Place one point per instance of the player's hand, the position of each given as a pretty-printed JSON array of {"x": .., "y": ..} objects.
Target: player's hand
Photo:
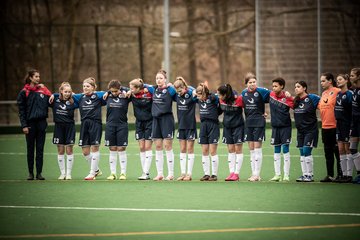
[
  {"x": 51, "y": 99},
  {"x": 287, "y": 94},
  {"x": 265, "y": 115},
  {"x": 25, "y": 130},
  {"x": 128, "y": 94},
  {"x": 105, "y": 96}
]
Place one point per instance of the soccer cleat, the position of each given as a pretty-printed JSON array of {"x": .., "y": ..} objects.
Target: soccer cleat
[
  {"x": 276, "y": 178},
  {"x": 356, "y": 179},
  {"x": 254, "y": 178},
  {"x": 205, "y": 178},
  {"x": 62, "y": 177},
  {"x": 251, "y": 177},
  {"x": 144, "y": 176},
  {"x": 300, "y": 179},
  {"x": 327, "y": 179},
  {"x": 30, "y": 177},
  {"x": 98, "y": 173},
  {"x": 213, "y": 178},
  {"x": 187, "y": 178},
  {"x": 235, "y": 177},
  {"x": 68, "y": 177},
  {"x": 122, "y": 176},
  {"x": 169, "y": 178},
  {"x": 158, "y": 178},
  {"x": 181, "y": 178},
  {"x": 111, "y": 177},
  {"x": 229, "y": 178},
  {"x": 39, "y": 177},
  {"x": 308, "y": 179},
  {"x": 286, "y": 178},
  {"x": 90, "y": 177}
]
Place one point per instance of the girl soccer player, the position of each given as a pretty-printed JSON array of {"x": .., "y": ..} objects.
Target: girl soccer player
[
  {"x": 117, "y": 130},
  {"x": 209, "y": 130},
  {"x": 33, "y": 111},
  {"x": 234, "y": 129},
  {"x": 254, "y": 99},
  {"x": 64, "y": 132},
  {"x": 141, "y": 100},
  {"x": 163, "y": 125},
  {"x": 280, "y": 104},
  {"x": 187, "y": 126},
  {"x": 305, "y": 106}
]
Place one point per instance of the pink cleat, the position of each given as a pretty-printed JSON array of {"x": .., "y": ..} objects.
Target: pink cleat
[
  {"x": 229, "y": 178},
  {"x": 235, "y": 177},
  {"x": 90, "y": 177},
  {"x": 158, "y": 178}
]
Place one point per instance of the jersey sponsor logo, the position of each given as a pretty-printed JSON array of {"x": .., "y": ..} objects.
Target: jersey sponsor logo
[
  {"x": 203, "y": 105},
  {"x": 251, "y": 100},
  {"x": 339, "y": 102},
  {"x": 326, "y": 101},
  {"x": 354, "y": 98},
  {"x": 182, "y": 101},
  {"x": 256, "y": 94},
  {"x": 63, "y": 107},
  {"x": 88, "y": 101},
  {"x": 116, "y": 100},
  {"x": 158, "y": 95}
]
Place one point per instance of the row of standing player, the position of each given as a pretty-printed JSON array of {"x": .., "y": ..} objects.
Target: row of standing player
[{"x": 155, "y": 122}]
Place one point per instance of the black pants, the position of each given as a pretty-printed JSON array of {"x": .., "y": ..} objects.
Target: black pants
[
  {"x": 331, "y": 149},
  {"x": 36, "y": 139}
]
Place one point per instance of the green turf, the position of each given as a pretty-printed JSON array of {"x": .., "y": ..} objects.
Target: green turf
[{"x": 133, "y": 194}]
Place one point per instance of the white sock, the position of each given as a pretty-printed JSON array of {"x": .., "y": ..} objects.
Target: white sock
[
  {"x": 238, "y": 161},
  {"x": 356, "y": 158},
  {"x": 215, "y": 164},
  {"x": 309, "y": 165},
  {"x": 206, "y": 164},
  {"x": 303, "y": 165},
  {"x": 148, "y": 160},
  {"x": 123, "y": 161},
  {"x": 113, "y": 161},
  {"x": 350, "y": 165},
  {"x": 88, "y": 159},
  {"x": 159, "y": 160},
  {"x": 286, "y": 164},
  {"x": 231, "y": 162},
  {"x": 69, "y": 164},
  {"x": 258, "y": 161},
  {"x": 61, "y": 162},
  {"x": 343, "y": 164},
  {"x": 170, "y": 162},
  {"x": 94, "y": 162},
  {"x": 183, "y": 163},
  {"x": 142, "y": 160},
  {"x": 191, "y": 158},
  {"x": 277, "y": 163},
  {"x": 252, "y": 162}
]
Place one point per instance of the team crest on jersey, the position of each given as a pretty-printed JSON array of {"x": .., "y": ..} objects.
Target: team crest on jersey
[
  {"x": 63, "y": 107},
  {"x": 88, "y": 101},
  {"x": 41, "y": 95},
  {"x": 306, "y": 99},
  {"x": 164, "y": 90},
  {"x": 331, "y": 93},
  {"x": 67, "y": 103},
  {"x": 246, "y": 94},
  {"x": 208, "y": 101},
  {"x": 344, "y": 97},
  {"x": 301, "y": 105},
  {"x": 93, "y": 96},
  {"x": 186, "y": 95},
  {"x": 358, "y": 92},
  {"x": 58, "y": 100},
  {"x": 283, "y": 99},
  {"x": 256, "y": 94}
]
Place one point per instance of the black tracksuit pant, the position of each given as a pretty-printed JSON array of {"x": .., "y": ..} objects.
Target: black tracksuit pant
[{"x": 331, "y": 149}]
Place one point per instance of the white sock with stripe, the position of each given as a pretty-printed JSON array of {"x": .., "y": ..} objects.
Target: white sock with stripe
[
  {"x": 61, "y": 162},
  {"x": 113, "y": 161},
  {"x": 206, "y": 164},
  {"x": 191, "y": 159},
  {"x": 123, "y": 161},
  {"x": 159, "y": 160}
]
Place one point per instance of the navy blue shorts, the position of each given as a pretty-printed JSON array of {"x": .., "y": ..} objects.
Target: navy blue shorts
[
  {"x": 143, "y": 130},
  {"x": 187, "y": 134},
  {"x": 233, "y": 135},
  {"x": 209, "y": 132},
  {"x": 90, "y": 133},
  {"x": 163, "y": 127},
  {"x": 307, "y": 139},
  {"x": 280, "y": 136},
  {"x": 116, "y": 135},
  {"x": 64, "y": 134},
  {"x": 342, "y": 131},
  {"x": 255, "y": 134}
]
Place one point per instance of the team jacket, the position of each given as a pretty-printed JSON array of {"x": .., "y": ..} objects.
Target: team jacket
[
  {"x": 142, "y": 102},
  {"x": 279, "y": 109}
]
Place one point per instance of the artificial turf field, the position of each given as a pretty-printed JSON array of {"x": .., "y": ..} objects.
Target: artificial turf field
[{"x": 133, "y": 209}]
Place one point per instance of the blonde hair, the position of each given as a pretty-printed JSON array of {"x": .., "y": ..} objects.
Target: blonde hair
[
  {"x": 91, "y": 81},
  {"x": 203, "y": 89},
  {"x": 137, "y": 83},
  {"x": 61, "y": 88},
  {"x": 180, "y": 82}
]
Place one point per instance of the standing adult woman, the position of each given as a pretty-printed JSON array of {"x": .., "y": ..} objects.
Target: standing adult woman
[{"x": 33, "y": 111}]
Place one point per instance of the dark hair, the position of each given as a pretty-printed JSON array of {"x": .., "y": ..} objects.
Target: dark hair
[
  {"x": 297, "y": 98},
  {"x": 330, "y": 77},
  {"x": 30, "y": 74},
  {"x": 114, "y": 84},
  {"x": 227, "y": 91},
  {"x": 163, "y": 72},
  {"x": 356, "y": 71},
  {"x": 346, "y": 77},
  {"x": 249, "y": 76},
  {"x": 280, "y": 81}
]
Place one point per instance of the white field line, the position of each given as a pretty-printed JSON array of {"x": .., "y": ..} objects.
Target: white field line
[{"x": 182, "y": 210}]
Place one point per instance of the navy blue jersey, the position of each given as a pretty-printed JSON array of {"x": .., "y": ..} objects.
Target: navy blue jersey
[
  {"x": 142, "y": 103},
  {"x": 162, "y": 100},
  {"x": 305, "y": 112},
  {"x": 280, "y": 109},
  {"x": 254, "y": 106},
  {"x": 356, "y": 104},
  {"x": 117, "y": 109},
  {"x": 90, "y": 105},
  {"x": 343, "y": 106},
  {"x": 63, "y": 111},
  {"x": 233, "y": 113},
  {"x": 209, "y": 108},
  {"x": 186, "y": 109}
]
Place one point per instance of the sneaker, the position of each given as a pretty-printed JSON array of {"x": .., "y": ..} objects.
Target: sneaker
[
  {"x": 308, "y": 179},
  {"x": 68, "y": 177},
  {"x": 235, "y": 177},
  {"x": 276, "y": 178},
  {"x": 205, "y": 178},
  {"x": 181, "y": 178},
  {"x": 122, "y": 176},
  {"x": 158, "y": 178},
  {"x": 39, "y": 177},
  {"x": 286, "y": 178},
  {"x": 111, "y": 177},
  {"x": 90, "y": 177},
  {"x": 169, "y": 178},
  {"x": 30, "y": 177},
  {"x": 144, "y": 176},
  {"x": 98, "y": 173},
  {"x": 327, "y": 179},
  {"x": 300, "y": 179},
  {"x": 62, "y": 177},
  {"x": 250, "y": 178},
  {"x": 213, "y": 178},
  {"x": 229, "y": 177},
  {"x": 254, "y": 179},
  {"x": 187, "y": 178}
]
